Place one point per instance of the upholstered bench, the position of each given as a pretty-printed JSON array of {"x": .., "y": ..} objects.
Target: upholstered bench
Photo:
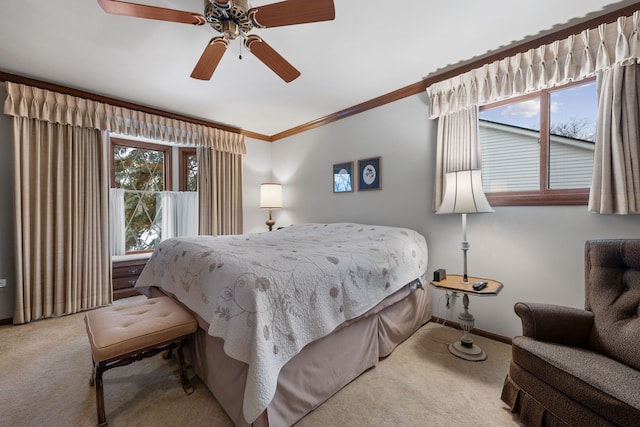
[{"x": 124, "y": 333}]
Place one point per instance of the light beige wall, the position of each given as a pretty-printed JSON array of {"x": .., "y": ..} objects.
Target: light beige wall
[
  {"x": 536, "y": 251},
  {"x": 256, "y": 170}
]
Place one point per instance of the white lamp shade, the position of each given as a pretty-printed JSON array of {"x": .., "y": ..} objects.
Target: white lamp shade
[
  {"x": 463, "y": 193},
  {"x": 270, "y": 195}
]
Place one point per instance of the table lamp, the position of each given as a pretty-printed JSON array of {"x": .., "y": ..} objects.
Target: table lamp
[
  {"x": 270, "y": 197},
  {"x": 463, "y": 194}
]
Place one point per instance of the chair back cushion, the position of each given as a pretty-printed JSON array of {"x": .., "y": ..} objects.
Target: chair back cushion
[{"x": 612, "y": 293}]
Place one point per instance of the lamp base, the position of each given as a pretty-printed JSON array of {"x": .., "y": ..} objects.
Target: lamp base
[
  {"x": 465, "y": 348},
  {"x": 270, "y": 223},
  {"x": 473, "y": 353}
]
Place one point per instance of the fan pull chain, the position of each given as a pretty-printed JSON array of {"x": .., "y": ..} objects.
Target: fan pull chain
[{"x": 240, "y": 51}]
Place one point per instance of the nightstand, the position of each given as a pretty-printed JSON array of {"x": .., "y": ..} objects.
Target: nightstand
[
  {"x": 465, "y": 348},
  {"x": 124, "y": 277}
]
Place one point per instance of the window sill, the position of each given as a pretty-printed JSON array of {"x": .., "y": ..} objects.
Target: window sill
[
  {"x": 536, "y": 198},
  {"x": 131, "y": 257}
]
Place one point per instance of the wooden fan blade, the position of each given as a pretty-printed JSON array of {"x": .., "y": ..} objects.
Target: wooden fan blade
[
  {"x": 271, "y": 58},
  {"x": 210, "y": 58},
  {"x": 292, "y": 12},
  {"x": 116, "y": 7}
]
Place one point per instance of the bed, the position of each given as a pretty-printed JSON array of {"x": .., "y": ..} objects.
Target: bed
[{"x": 287, "y": 318}]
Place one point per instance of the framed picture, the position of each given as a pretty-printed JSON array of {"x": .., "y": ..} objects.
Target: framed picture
[
  {"x": 343, "y": 177},
  {"x": 369, "y": 176}
]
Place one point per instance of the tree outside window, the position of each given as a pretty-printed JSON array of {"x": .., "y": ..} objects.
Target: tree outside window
[
  {"x": 142, "y": 170},
  {"x": 188, "y": 169}
]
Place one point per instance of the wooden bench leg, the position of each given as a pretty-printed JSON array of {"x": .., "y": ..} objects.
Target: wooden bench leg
[
  {"x": 96, "y": 381},
  {"x": 184, "y": 378},
  {"x": 100, "y": 367}
]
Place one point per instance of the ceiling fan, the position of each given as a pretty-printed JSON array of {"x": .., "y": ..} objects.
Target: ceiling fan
[{"x": 233, "y": 19}]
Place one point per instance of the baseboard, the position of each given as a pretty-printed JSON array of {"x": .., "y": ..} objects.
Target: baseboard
[
  {"x": 8, "y": 321},
  {"x": 475, "y": 331}
]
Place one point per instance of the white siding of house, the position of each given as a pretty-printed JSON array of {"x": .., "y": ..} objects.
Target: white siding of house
[
  {"x": 571, "y": 164},
  {"x": 510, "y": 160}
]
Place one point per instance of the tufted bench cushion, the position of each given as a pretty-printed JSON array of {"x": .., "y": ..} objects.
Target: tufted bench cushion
[
  {"x": 123, "y": 329},
  {"x": 124, "y": 333}
]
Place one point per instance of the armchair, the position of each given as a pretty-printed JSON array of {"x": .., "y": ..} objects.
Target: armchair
[{"x": 582, "y": 367}]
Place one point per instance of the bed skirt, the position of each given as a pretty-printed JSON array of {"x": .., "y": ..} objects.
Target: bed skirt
[{"x": 321, "y": 369}]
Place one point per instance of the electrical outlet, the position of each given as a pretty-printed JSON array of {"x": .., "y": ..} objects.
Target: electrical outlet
[{"x": 3, "y": 283}]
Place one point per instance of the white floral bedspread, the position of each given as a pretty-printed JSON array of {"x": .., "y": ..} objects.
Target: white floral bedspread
[{"x": 269, "y": 294}]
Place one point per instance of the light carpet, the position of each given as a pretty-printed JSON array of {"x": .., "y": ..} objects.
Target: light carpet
[{"x": 45, "y": 368}]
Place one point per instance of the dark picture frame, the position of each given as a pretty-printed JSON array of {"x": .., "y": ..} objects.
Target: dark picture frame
[
  {"x": 369, "y": 174},
  {"x": 343, "y": 177}
]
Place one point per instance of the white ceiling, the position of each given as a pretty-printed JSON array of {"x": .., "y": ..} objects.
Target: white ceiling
[{"x": 373, "y": 47}]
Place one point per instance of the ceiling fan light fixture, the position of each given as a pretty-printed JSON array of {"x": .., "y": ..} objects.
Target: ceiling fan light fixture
[{"x": 230, "y": 29}]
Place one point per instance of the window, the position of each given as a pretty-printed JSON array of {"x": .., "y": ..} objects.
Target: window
[
  {"x": 142, "y": 170},
  {"x": 188, "y": 169},
  {"x": 538, "y": 149}
]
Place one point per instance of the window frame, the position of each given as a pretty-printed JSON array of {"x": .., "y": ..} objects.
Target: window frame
[
  {"x": 167, "y": 169},
  {"x": 544, "y": 196},
  {"x": 166, "y": 149},
  {"x": 183, "y": 155}
]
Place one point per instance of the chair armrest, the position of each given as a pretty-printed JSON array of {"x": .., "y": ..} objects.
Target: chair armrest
[{"x": 554, "y": 323}]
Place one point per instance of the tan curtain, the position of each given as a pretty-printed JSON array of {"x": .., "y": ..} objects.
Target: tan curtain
[
  {"x": 615, "y": 186},
  {"x": 458, "y": 147},
  {"x": 219, "y": 192},
  {"x": 61, "y": 211},
  {"x": 574, "y": 58}
]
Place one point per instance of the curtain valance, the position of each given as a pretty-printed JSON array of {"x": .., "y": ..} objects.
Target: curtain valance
[
  {"x": 54, "y": 107},
  {"x": 576, "y": 57}
]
